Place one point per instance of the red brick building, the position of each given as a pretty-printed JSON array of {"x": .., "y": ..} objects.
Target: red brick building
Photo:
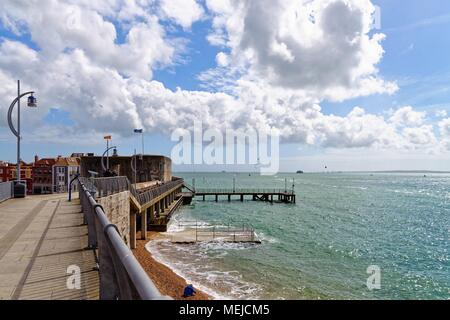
[
  {"x": 8, "y": 172},
  {"x": 43, "y": 175}
]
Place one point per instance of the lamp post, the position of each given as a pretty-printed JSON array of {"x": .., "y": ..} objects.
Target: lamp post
[
  {"x": 106, "y": 168},
  {"x": 133, "y": 167},
  {"x": 107, "y": 138},
  {"x": 32, "y": 103},
  {"x": 141, "y": 131}
]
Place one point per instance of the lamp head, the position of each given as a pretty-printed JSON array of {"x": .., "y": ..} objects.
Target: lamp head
[{"x": 32, "y": 101}]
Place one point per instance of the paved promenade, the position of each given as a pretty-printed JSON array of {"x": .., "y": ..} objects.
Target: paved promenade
[{"x": 40, "y": 237}]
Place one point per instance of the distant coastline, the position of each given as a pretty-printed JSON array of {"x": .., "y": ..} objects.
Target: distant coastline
[{"x": 311, "y": 172}]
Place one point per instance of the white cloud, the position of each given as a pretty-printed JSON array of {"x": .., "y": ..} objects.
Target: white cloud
[
  {"x": 183, "y": 12},
  {"x": 107, "y": 86},
  {"x": 441, "y": 113},
  {"x": 57, "y": 26},
  {"x": 406, "y": 116},
  {"x": 222, "y": 59},
  {"x": 423, "y": 135},
  {"x": 444, "y": 126},
  {"x": 322, "y": 47}
]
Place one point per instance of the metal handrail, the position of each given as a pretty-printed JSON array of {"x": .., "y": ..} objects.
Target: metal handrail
[
  {"x": 111, "y": 185},
  {"x": 239, "y": 191},
  {"x": 121, "y": 275},
  {"x": 149, "y": 195}
]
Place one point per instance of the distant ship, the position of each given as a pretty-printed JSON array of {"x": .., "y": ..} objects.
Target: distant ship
[{"x": 300, "y": 172}]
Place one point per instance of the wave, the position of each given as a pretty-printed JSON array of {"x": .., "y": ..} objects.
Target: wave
[{"x": 188, "y": 262}]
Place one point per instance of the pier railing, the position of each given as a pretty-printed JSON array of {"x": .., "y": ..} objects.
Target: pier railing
[
  {"x": 155, "y": 192},
  {"x": 121, "y": 275},
  {"x": 6, "y": 190},
  {"x": 229, "y": 232},
  {"x": 243, "y": 191},
  {"x": 112, "y": 185}
]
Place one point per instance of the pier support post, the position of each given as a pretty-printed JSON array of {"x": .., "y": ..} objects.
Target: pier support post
[
  {"x": 217, "y": 198},
  {"x": 203, "y": 197},
  {"x": 133, "y": 230},
  {"x": 161, "y": 206},
  {"x": 242, "y": 198},
  {"x": 229, "y": 198},
  {"x": 156, "y": 210},
  {"x": 151, "y": 212},
  {"x": 144, "y": 224}
]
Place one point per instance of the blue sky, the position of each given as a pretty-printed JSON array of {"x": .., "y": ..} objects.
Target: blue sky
[{"x": 417, "y": 51}]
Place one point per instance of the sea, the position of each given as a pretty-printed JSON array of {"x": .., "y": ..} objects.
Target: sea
[{"x": 349, "y": 236}]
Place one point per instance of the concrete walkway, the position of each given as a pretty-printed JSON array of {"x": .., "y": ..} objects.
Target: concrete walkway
[{"x": 40, "y": 238}]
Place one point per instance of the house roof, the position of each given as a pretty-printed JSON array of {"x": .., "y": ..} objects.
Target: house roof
[
  {"x": 45, "y": 162},
  {"x": 70, "y": 161}
]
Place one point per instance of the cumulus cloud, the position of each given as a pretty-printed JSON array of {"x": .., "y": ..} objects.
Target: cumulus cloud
[
  {"x": 183, "y": 12},
  {"x": 279, "y": 61},
  {"x": 322, "y": 47},
  {"x": 444, "y": 126},
  {"x": 423, "y": 135},
  {"x": 406, "y": 116},
  {"x": 441, "y": 113}
]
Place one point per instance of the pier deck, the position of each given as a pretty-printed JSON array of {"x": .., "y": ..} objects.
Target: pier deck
[
  {"x": 195, "y": 233},
  {"x": 40, "y": 237},
  {"x": 191, "y": 237}
]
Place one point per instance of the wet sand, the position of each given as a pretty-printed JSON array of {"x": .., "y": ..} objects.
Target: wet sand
[{"x": 165, "y": 279}]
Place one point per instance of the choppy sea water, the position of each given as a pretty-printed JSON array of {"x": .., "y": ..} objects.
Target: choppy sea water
[{"x": 321, "y": 247}]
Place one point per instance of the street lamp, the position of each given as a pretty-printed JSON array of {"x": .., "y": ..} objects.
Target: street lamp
[
  {"x": 32, "y": 103},
  {"x": 106, "y": 168},
  {"x": 133, "y": 167},
  {"x": 107, "y": 138}
]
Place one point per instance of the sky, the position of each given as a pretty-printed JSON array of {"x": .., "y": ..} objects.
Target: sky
[{"x": 352, "y": 85}]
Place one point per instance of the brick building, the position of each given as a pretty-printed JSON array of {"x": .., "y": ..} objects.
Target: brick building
[
  {"x": 43, "y": 175},
  {"x": 8, "y": 172}
]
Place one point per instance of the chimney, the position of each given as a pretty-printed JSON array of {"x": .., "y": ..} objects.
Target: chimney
[{"x": 36, "y": 159}]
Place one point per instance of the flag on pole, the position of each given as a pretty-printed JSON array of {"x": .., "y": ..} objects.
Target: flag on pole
[
  {"x": 138, "y": 130},
  {"x": 108, "y": 138}
]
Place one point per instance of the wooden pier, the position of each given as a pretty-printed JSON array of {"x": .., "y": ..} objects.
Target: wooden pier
[{"x": 266, "y": 195}]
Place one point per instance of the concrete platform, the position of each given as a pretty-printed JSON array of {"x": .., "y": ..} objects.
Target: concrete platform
[
  {"x": 192, "y": 236},
  {"x": 40, "y": 237}
]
